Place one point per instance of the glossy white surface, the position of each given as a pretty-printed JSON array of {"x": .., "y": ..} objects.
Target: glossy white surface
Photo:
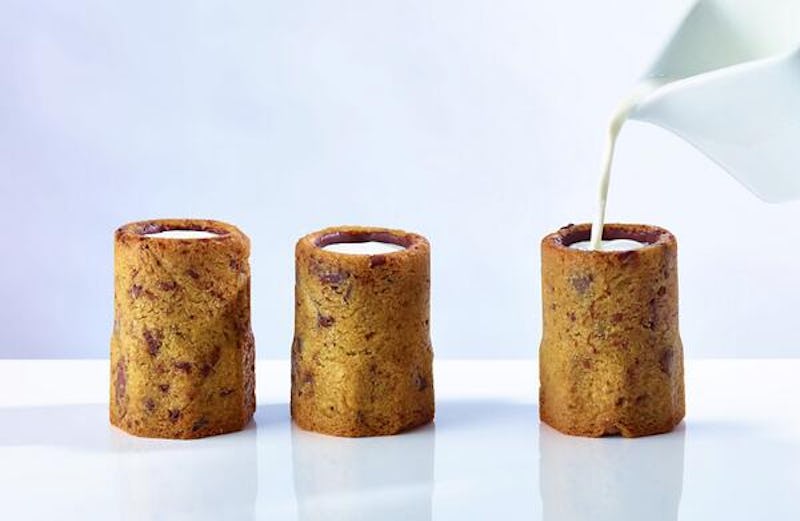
[{"x": 737, "y": 456}]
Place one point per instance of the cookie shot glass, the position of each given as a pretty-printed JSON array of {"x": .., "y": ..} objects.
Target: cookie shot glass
[
  {"x": 611, "y": 358},
  {"x": 182, "y": 349},
  {"x": 361, "y": 354}
]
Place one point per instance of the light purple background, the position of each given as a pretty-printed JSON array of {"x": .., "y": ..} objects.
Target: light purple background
[{"x": 476, "y": 123}]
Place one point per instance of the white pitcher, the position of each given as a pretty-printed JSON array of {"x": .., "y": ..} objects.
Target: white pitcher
[{"x": 728, "y": 82}]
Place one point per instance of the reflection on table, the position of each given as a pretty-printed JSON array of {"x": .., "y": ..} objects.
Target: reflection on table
[
  {"x": 611, "y": 478},
  {"x": 210, "y": 478},
  {"x": 384, "y": 478}
]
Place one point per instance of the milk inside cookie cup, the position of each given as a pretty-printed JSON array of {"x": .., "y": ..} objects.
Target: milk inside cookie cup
[
  {"x": 619, "y": 237},
  {"x": 362, "y": 242},
  {"x": 182, "y": 234},
  {"x": 609, "y": 245},
  {"x": 180, "y": 229}
]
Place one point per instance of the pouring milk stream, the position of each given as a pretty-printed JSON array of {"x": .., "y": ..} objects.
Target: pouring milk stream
[{"x": 728, "y": 82}]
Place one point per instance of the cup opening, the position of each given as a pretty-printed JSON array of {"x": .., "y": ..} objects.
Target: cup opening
[
  {"x": 362, "y": 242},
  {"x": 572, "y": 234},
  {"x": 182, "y": 231},
  {"x": 345, "y": 237}
]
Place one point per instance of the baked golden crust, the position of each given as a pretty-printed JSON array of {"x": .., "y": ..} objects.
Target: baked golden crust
[
  {"x": 611, "y": 358},
  {"x": 182, "y": 349},
  {"x": 361, "y": 355}
]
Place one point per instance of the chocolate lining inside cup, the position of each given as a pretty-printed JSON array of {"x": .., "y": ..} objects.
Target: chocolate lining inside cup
[
  {"x": 149, "y": 229},
  {"x": 342, "y": 237},
  {"x": 610, "y": 232}
]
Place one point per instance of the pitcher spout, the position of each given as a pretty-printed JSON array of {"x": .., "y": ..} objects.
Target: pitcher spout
[{"x": 745, "y": 117}]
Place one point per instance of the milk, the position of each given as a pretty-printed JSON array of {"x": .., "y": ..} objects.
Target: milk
[
  {"x": 182, "y": 234},
  {"x": 363, "y": 248},
  {"x": 609, "y": 245},
  {"x": 617, "y": 121}
]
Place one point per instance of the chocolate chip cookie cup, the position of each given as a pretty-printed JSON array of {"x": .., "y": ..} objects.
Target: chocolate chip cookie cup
[
  {"x": 611, "y": 358},
  {"x": 182, "y": 349},
  {"x": 361, "y": 355}
]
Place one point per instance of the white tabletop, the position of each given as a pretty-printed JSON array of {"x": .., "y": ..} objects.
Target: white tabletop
[{"x": 737, "y": 455}]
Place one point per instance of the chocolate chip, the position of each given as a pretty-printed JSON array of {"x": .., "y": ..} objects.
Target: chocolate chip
[
  {"x": 199, "y": 424},
  {"x": 420, "y": 382},
  {"x": 153, "y": 342},
  {"x": 216, "y": 352},
  {"x": 325, "y": 274},
  {"x": 192, "y": 273},
  {"x": 652, "y": 321},
  {"x": 571, "y": 316},
  {"x": 136, "y": 291},
  {"x": 628, "y": 256},
  {"x": 661, "y": 291},
  {"x": 186, "y": 367},
  {"x": 581, "y": 283},
  {"x": 168, "y": 285},
  {"x": 334, "y": 277},
  {"x": 665, "y": 361},
  {"x": 369, "y": 335},
  {"x": 324, "y": 320},
  {"x": 149, "y": 405},
  {"x": 120, "y": 382},
  {"x": 149, "y": 228},
  {"x": 164, "y": 388},
  {"x": 235, "y": 265},
  {"x": 205, "y": 370},
  {"x": 377, "y": 260},
  {"x": 225, "y": 392},
  {"x": 174, "y": 415}
]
